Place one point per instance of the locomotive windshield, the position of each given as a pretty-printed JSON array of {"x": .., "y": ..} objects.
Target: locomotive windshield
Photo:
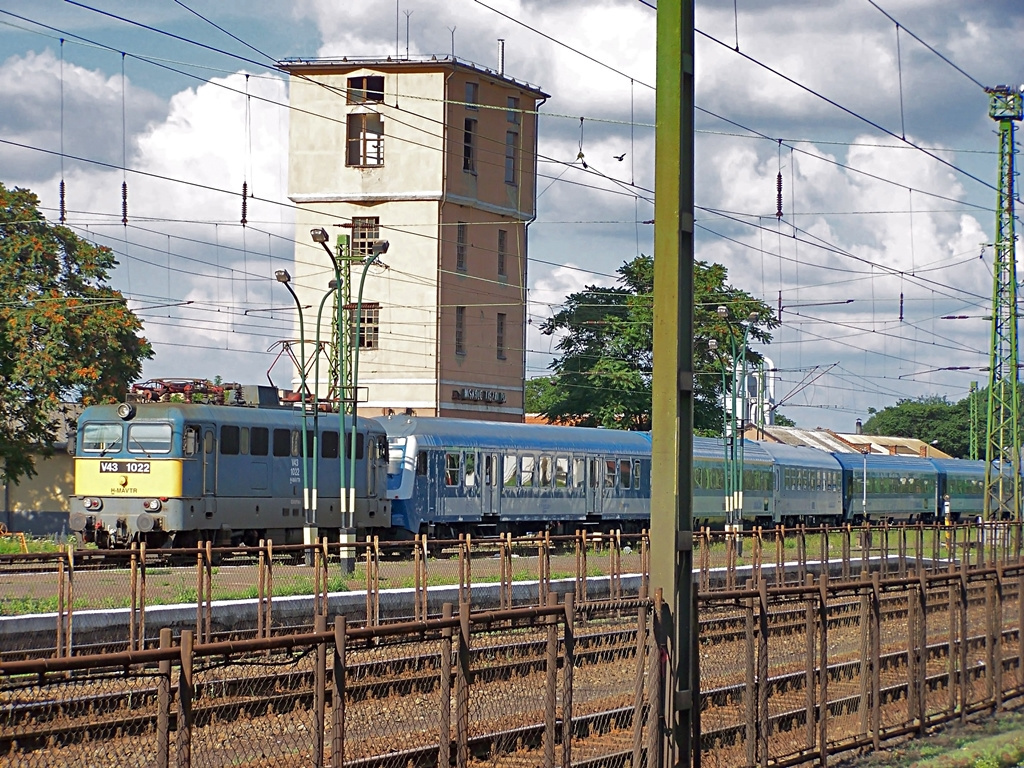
[
  {"x": 101, "y": 438},
  {"x": 396, "y": 455},
  {"x": 149, "y": 438}
]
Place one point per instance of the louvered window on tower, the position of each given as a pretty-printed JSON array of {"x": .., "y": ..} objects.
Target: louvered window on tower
[
  {"x": 512, "y": 115},
  {"x": 460, "y": 330},
  {"x": 502, "y": 252},
  {"x": 500, "y": 340},
  {"x": 369, "y": 324},
  {"x": 365, "y": 144},
  {"x": 460, "y": 247},
  {"x": 366, "y": 88},
  {"x": 365, "y": 231},
  {"x": 511, "y": 157},
  {"x": 469, "y": 146}
]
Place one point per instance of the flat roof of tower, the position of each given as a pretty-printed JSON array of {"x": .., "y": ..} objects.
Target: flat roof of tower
[{"x": 300, "y": 65}]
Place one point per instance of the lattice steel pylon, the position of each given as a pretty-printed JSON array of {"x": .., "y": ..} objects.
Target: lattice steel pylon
[{"x": 1002, "y": 444}]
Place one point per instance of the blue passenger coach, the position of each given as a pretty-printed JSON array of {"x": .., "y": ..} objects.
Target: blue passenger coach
[
  {"x": 450, "y": 476},
  {"x": 897, "y": 488}
]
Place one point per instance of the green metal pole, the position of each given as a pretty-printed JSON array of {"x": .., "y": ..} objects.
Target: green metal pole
[
  {"x": 355, "y": 381},
  {"x": 972, "y": 410},
  {"x": 743, "y": 423},
  {"x": 302, "y": 394},
  {"x": 672, "y": 385}
]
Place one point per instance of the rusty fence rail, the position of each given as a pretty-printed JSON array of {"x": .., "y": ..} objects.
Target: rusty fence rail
[
  {"x": 286, "y": 594},
  {"x": 559, "y": 685}
]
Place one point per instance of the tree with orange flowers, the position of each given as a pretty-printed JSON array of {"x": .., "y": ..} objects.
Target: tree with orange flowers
[{"x": 65, "y": 334}]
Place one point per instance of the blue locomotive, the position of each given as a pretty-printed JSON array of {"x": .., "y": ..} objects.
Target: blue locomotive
[
  {"x": 450, "y": 476},
  {"x": 176, "y": 473}
]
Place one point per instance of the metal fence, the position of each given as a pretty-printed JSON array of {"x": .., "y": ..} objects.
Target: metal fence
[{"x": 557, "y": 685}]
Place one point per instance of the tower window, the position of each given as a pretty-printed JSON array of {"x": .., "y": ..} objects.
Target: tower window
[
  {"x": 472, "y": 95},
  {"x": 365, "y": 89},
  {"x": 500, "y": 340},
  {"x": 502, "y": 251},
  {"x": 365, "y": 231},
  {"x": 460, "y": 330},
  {"x": 511, "y": 157},
  {"x": 460, "y": 247},
  {"x": 512, "y": 115},
  {"x": 369, "y": 324},
  {"x": 365, "y": 140},
  {"x": 469, "y": 146}
]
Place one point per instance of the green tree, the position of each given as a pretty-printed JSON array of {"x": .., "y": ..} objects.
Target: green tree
[
  {"x": 931, "y": 418},
  {"x": 603, "y": 375},
  {"x": 782, "y": 420},
  {"x": 64, "y": 333}
]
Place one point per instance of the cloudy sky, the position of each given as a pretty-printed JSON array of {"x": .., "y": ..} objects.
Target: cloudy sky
[{"x": 874, "y": 113}]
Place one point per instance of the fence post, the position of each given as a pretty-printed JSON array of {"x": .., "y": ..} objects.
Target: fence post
[
  {"x": 134, "y": 588},
  {"x": 1020, "y": 627},
  {"x": 846, "y": 552},
  {"x": 951, "y": 656},
  {"x": 462, "y": 690},
  {"x": 823, "y": 668},
  {"x": 209, "y": 590},
  {"x": 142, "y": 595},
  {"x": 70, "y": 606},
  {"x": 320, "y": 694},
  {"x": 376, "y": 580},
  {"x": 268, "y": 621},
  {"x": 186, "y": 692},
  {"x": 996, "y": 615},
  {"x": 762, "y": 674},
  {"x": 60, "y": 606},
  {"x": 922, "y": 652},
  {"x": 542, "y": 583},
  {"x": 810, "y": 616},
  {"x": 876, "y": 658},
  {"x": 550, "y": 684},
  {"x": 569, "y": 664},
  {"x": 963, "y": 635},
  {"x": 199, "y": 591},
  {"x": 645, "y": 563},
  {"x": 864, "y": 705},
  {"x": 424, "y": 579},
  {"x": 261, "y": 565},
  {"x": 338, "y": 695},
  {"x": 370, "y": 583},
  {"x": 163, "y": 711},
  {"x": 913, "y": 658},
  {"x": 638, "y": 685},
  {"x": 750, "y": 691},
  {"x": 444, "y": 743}
]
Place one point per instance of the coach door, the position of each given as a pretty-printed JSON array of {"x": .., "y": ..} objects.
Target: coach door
[
  {"x": 595, "y": 486},
  {"x": 490, "y": 492},
  {"x": 210, "y": 470}
]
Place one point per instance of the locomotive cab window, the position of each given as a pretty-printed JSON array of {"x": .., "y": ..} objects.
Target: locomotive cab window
[
  {"x": 229, "y": 440},
  {"x": 360, "y": 446},
  {"x": 149, "y": 438},
  {"x": 190, "y": 440},
  {"x": 101, "y": 438},
  {"x": 259, "y": 441},
  {"x": 282, "y": 442},
  {"x": 329, "y": 445},
  {"x": 421, "y": 463}
]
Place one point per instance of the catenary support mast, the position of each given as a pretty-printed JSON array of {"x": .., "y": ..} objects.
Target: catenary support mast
[{"x": 1002, "y": 444}]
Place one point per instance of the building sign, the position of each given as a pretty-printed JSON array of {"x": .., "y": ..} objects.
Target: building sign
[{"x": 478, "y": 395}]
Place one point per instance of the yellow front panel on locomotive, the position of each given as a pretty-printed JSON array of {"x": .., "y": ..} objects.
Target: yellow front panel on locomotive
[{"x": 118, "y": 477}]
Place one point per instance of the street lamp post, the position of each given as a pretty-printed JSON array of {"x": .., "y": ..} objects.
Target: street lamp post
[
  {"x": 727, "y": 435},
  {"x": 283, "y": 277}
]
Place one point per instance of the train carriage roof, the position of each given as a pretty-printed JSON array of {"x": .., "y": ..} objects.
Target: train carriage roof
[
  {"x": 499, "y": 435},
  {"x": 954, "y": 467},
  {"x": 885, "y": 463},
  {"x": 713, "y": 448},
  {"x": 801, "y": 456},
  {"x": 220, "y": 414}
]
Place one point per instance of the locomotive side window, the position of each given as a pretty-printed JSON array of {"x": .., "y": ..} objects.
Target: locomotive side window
[
  {"x": 561, "y": 471},
  {"x": 421, "y": 463},
  {"x": 451, "y": 468},
  {"x": 329, "y": 445},
  {"x": 360, "y": 447},
  {"x": 470, "y": 465},
  {"x": 190, "y": 443},
  {"x": 383, "y": 448},
  {"x": 228, "y": 440},
  {"x": 296, "y": 446},
  {"x": 149, "y": 438},
  {"x": 101, "y": 437},
  {"x": 511, "y": 465},
  {"x": 243, "y": 441},
  {"x": 625, "y": 475},
  {"x": 259, "y": 441},
  {"x": 526, "y": 467},
  {"x": 208, "y": 442},
  {"x": 282, "y": 442}
]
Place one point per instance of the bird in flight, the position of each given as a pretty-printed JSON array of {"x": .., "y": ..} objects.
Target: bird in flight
[{"x": 621, "y": 157}]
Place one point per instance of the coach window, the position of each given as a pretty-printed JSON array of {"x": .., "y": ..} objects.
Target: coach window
[
  {"x": 469, "y": 462},
  {"x": 229, "y": 440},
  {"x": 451, "y": 468},
  {"x": 579, "y": 473},
  {"x": 282, "y": 442},
  {"x": 509, "y": 471},
  {"x": 150, "y": 438},
  {"x": 636, "y": 473},
  {"x": 329, "y": 445},
  {"x": 609, "y": 473},
  {"x": 190, "y": 441},
  {"x": 561, "y": 471},
  {"x": 421, "y": 463},
  {"x": 544, "y": 469},
  {"x": 259, "y": 441},
  {"x": 526, "y": 467},
  {"x": 625, "y": 475}
]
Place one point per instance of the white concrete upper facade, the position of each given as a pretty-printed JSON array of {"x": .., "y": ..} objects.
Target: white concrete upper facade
[{"x": 439, "y": 158}]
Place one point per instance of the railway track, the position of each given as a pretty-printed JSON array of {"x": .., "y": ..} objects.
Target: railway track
[{"x": 27, "y": 726}]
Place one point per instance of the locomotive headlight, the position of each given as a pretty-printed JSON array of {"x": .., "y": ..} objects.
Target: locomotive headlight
[
  {"x": 144, "y": 523},
  {"x": 92, "y": 504},
  {"x": 77, "y": 521},
  {"x": 152, "y": 505}
]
